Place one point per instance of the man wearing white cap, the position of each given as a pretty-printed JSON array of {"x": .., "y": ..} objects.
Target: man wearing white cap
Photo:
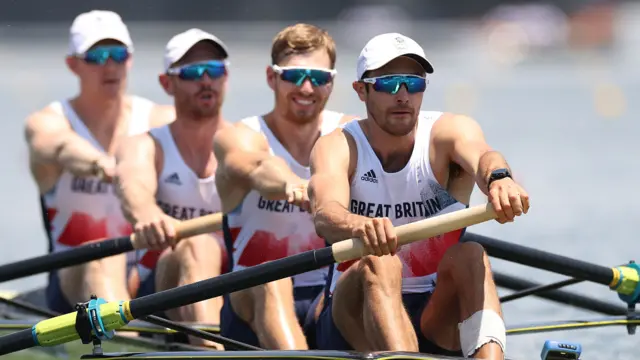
[
  {"x": 167, "y": 175},
  {"x": 397, "y": 166},
  {"x": 71, "y": 143}
]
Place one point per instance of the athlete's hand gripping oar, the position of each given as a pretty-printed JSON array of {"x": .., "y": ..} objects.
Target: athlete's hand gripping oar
[
  {"x": 100, "y": 249},
  {"x": 354, "y": 248},
  {"x": 106, "y": 317}
]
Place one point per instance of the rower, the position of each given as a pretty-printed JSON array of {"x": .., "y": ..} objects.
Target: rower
[
  {"x": 262, "y": 182},
  {"x": 71, "y": 143},
  {"x": 167, "y": 175},
  {"x": 397, "y": 166}
]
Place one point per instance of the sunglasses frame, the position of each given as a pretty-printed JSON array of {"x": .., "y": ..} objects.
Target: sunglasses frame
[
  {"x": 372, "y": 81},
  {"x": 280, "y": 70},
  {"x": 176, "y": 70},
  {"x": 83, "y": 56}
]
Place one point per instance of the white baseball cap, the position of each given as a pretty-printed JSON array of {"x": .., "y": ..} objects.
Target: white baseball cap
[
  {"x": 183, "y": 42},
  {"x": 96, "y": 25},
  {"x": 383, "y": 48}
]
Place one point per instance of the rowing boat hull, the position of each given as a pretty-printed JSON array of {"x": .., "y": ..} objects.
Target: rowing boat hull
[
  {"x": 15, "y": 319},
  {"x": 289, "y": 355},
  {"x": 520, "y": 329}
]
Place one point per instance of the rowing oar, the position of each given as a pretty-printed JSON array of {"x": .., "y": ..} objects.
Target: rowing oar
[
  {"x": 532, "y": 289},
  {"x": 103, "y": 317},
  {"x": 101, "y": 249},
  {"x": 625, "y": 280},
  {"x": 122, "y": 339},
  {"x": 553, "y": 293},
  {"x": 152, "y": 319}
]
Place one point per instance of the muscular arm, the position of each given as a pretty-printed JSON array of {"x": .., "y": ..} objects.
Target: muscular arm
[
  {"x": 462, "y": 138},
  {"x": 245, "y": 163},
  {"x": 161, "y": 115},
  {"x": 137, "y": 177},
  {"x": 332, "y": 162},
  {"x": 347, "y": 118},
  {"x": 53, "y": 144}
]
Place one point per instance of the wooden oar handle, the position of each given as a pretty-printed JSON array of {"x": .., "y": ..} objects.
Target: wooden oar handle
[
  {"x": 200, "y": 225},
  {"x": 420, "y": 230}
]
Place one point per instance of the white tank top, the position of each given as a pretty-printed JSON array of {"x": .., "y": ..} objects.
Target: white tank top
[
  {"x": 406, "y": 196},
  {"x": 80, "y": 209},
  {"x": 266, "y": 230},
  {"x": 181, "y": 193}
]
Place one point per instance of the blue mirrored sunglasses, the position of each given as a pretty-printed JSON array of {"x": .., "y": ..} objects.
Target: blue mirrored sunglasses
[
  {"x": 196, "y": 71},
  {"x": 297, "y": 75},
  {"x": 100, "y": 54},
  {"x": 392, "y": 83}
]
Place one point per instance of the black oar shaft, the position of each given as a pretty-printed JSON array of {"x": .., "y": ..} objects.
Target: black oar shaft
[
  {"x": 560, "y": 296},
  {"x": 543, "y": 260},
  {"x": 231, "y": 282},
  {"x": 71, "y": 257},
  {"x": 228, "y": 343},
  {"x": 536, "y": 289},
  {"x": 135, "y": 341},
  {"x": 28, "y": 307},
  {"x": 16, "y": 341}
]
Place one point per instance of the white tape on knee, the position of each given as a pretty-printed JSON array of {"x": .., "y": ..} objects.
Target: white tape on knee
[{"x": 481, "y": 328}]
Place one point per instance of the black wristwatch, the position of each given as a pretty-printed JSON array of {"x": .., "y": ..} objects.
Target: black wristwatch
[{"x": 498, "y": 174}]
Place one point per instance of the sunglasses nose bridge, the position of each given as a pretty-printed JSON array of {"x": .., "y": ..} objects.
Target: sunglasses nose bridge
[
  {"x": 306, "y": 83},
  {"x": 110, "y": 59},
  {"x": 204, "y": 74},
  {"x": 109, "y": 62},
  {"x": 402, "y": 92},
  {"x": 205, "y": 77}
]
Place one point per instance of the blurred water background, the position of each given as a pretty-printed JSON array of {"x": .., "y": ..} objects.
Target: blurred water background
[{"x": 553, "y": 84}]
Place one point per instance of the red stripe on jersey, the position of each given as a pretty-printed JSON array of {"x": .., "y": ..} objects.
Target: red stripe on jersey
[
  {"x": 423, "y": 257},
  {"x": 263, "y": 246},
  {"x": 342, "y": 267},
  {"x": 83, "y": 228},
  {"x": 150, "y": 259},
  {"x": 420, "y": 258},
  {"x": 234, "y": 233},
  {"x": 51, "y": 213}
]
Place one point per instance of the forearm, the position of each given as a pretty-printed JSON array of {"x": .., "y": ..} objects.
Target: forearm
[
  {"x": 270, "y": 178},
  {"x": 137, "y": 200},
  {"x": 78, "y": 156},
  {"x": 333, "y": 222},
  {"x": 489, "y": 162}
]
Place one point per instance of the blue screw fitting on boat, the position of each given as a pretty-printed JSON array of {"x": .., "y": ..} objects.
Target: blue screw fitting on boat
[
  {"x": 560, "y": 350},
  {"x": 96, "y": 320}
]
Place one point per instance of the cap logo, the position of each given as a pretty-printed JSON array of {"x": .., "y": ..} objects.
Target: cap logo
[{"x": 399, "y": 43}]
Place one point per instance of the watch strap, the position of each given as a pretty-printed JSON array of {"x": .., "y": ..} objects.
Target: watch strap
[{"x": 498, "y": 174}]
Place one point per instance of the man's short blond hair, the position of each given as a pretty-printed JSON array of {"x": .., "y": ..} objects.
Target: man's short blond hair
[{"x": 299, "y": 39}]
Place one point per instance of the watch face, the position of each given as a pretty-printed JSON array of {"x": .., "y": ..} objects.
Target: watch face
[{"x": 500, "y": 173}]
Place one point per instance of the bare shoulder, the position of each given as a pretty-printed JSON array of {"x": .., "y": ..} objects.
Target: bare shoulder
[
  {"x": 337, "y": 147},
  {"x": 240, "y": 137},
  {"x": 347, "y": 119},
  {"x": 45, "y": 120},
  {"x": 137, "y": 145},
  {"x": 138, "y": 140},
  {"x": 452, "y": 127},
  {"x": 161, "y": 115},
  {"x": 338, "y": 140}
]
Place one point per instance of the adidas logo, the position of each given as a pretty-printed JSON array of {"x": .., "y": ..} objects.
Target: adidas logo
[
  {"x": 173, "y": 179},
  {"x": 369, "y": 176}
]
